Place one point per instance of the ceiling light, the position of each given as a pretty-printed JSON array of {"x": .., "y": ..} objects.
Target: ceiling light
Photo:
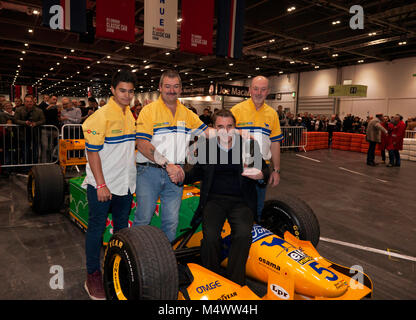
[
  {"x": 305, "y": 48},
  {"x": 372, "y": 34},
  {"x": 360, "y": 61},
  {"x": 280, "y": 72},
  {"x": 227, "y": 73},
  {"x": 36, "y": 12},
  {"x": 179, "y": 20},
  {"x": 264, "y": 57},
  {"x": 98, "y": 62},
  {"x": 402, "y": 43},
  {"x": 316, "y": 67},
  {"x": 202, "y": 69},
  {"x": 65, "y": 57},
  {"x": 18, "y": 65},
  {"x": 72, "y": 50},
  {"x": 21, "y": 59},
  {"x": 108, "y": 57},
  {"x": 272, "y": 40},
  {"x": 77, "y": 72},
  {"x": 292, "y": 62},
  {"x": 57, "y": 63},
  {"x": 336, "y": 22},
  {"x": 335, "y": 55},
  {"x": 30, "y": 30},
  {"x": 88, "y": 67},
  {"x": 26, "y": 44},
  {"x": 24, "y": 52},
  {"x": 167, "y": 53},
  {"x": 231, "y": 64},
  {"x": 51, "y": 69},
  {"x": 257, "y": 68},
  {"x": 291, "y": 9}
]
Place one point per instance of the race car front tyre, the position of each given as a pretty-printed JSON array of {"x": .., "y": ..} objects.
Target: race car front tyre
[
  {"x": 140, "y": 264},
  {"x": 289, "y": 213},
  {"x": 46, "y": 188}
]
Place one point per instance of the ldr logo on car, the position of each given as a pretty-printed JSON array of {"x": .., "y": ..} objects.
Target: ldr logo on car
[{"x": 279, "y": 291}]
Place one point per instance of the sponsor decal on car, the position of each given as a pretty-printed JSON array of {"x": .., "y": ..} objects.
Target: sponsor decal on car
[
  {"x": 299, "y": 256},
  {"x": 269, "y": 263},
  {"x": 279, "y": 291},
  {"x": 258, "y": 233},
  {"x": 227, "y": 296},
  {"x": 208, "y": 287}
]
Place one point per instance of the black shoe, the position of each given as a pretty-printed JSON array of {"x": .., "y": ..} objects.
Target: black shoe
[{"x": 371, "y": 164}]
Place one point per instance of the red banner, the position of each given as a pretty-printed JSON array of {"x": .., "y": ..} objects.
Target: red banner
[
  {"x": 197, "y": 26},
  {"x": 115, "y": 19}
]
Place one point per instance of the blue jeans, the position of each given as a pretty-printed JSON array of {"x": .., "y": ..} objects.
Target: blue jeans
[
  {"x": 98, "y": 212},
  {"x": 394, "y": 157},
  {"x": 151, "y": 184},
  {"x": 261, "y": 195}
]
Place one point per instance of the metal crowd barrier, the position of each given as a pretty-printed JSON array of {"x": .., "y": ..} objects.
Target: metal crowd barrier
[
  {"x": 410, "y": 134},
  {"x": 22, "y": 146},
  {"x": 294, "y": 137}
]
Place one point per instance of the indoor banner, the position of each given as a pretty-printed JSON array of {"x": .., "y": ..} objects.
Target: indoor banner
[
  {"x": 160, "y": 23},
  {"x": 197, "y": 26},
  {"x": 230, "y": 17},
  {"x": 115, "y": 20}
]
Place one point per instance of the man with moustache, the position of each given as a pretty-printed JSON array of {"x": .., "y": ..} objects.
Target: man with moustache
[
  {"x": 261, "y": 121},
  {"x": 163, "y": 131}
]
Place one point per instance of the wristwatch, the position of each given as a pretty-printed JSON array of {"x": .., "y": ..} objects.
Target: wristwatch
[{"x": 276, "y": 170}]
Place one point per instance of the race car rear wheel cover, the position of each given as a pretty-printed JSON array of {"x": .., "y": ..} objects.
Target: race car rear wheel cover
[
  {"x": 139, "y": 263},
  {"x": 289, "y": 213}
]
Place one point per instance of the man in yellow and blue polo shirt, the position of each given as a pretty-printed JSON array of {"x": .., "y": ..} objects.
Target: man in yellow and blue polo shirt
[
  {"x": 163, "y": 131},
  {"x": 262, "y": 122},
  {"x": 110, "y": 135}
]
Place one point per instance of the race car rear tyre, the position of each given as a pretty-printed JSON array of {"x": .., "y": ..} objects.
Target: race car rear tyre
[
  {"x": 46, "y": 188},
  {"x": 140, "y": 264},
  {"x": 289, "y": 213}
]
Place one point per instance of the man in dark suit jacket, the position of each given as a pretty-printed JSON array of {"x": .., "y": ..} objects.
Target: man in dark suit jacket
[{"x": 228, "y": 191}]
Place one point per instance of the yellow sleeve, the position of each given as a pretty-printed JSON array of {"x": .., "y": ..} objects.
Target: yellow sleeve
[
  {"x": 276, "y": 134},
  {"x": 144, "y": 124},
  {"x": 195, "y": 123},
  {"x": 94, "y": 129}
]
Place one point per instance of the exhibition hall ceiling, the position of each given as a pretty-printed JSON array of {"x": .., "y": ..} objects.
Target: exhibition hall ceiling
[{"x": 280, "y": 37}]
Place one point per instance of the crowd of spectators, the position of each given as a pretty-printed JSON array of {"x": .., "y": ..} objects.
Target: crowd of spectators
[
  {"x": 32, "y": 139},
  {"x": 49, "y": 110},
  {"x": 323, "y": 123}
]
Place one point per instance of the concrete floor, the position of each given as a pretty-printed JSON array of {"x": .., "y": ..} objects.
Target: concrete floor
[{"x": 368, "y": 207}]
